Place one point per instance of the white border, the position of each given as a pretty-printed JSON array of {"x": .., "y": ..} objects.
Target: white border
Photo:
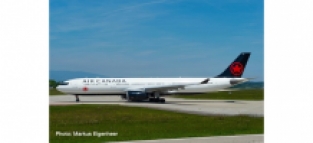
[
  {"x": 288, "y": 71},
  {"x": 24, "y": 71},
  {"x": 24, "y": 42}
]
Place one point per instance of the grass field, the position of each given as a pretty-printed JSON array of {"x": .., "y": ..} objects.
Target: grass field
[
  {"x": 54, "y": 91},
  {"x": 136, "y": 123},
  {"x": 252, "y": 94}
]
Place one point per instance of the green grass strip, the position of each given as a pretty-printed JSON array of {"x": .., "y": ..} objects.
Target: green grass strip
[{"x": 137, "y": 123}]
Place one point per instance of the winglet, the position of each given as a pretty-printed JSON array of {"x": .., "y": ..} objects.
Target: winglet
[{"x": 205, "y": 81}]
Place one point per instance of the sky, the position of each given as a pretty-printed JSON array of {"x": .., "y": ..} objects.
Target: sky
[{"x": 160, "y": 38}]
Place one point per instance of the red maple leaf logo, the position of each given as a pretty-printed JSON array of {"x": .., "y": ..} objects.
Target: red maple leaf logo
[
  {"x": 85, "y": 89},
  {"x": 236, "y": 68}
]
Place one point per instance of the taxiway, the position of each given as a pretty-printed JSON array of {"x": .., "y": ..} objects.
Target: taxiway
[{"x": 203, "y": 107}]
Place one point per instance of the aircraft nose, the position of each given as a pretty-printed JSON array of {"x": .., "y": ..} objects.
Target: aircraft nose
[{"x": 61, "y": 88}]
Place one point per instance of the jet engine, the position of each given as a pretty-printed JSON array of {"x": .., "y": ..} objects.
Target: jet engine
[{"x": 136, "y": 95}]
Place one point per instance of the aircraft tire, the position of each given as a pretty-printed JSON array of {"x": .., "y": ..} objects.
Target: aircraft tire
[{"x": 162, "y": 100}]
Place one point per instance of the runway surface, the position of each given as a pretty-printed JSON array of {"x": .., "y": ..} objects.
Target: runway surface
[
  {"x": 219, "y": 139},
  {"x": 203, "y": 107}
]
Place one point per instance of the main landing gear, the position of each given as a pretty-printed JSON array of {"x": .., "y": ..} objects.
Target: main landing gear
[
  {"x": 161, "y": 100},
  {"x": 77, "y": 98},
  {"x": 156, "y": 98}
]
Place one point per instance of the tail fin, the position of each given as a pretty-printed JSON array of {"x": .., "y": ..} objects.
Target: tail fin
[{"x": 236, "y": 68}]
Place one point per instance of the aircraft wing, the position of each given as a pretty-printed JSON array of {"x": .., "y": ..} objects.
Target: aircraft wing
[{"x": 170, "y": 87}]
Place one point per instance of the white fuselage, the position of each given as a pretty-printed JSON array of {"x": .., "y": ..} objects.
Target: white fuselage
[{"x": 109, "y": 86}]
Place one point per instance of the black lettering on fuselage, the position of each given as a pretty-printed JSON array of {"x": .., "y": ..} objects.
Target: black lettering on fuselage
[{"x": 104, "y": 80}]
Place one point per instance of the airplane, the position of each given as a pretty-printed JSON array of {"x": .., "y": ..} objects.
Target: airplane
[{"x": 152, "y": 89}]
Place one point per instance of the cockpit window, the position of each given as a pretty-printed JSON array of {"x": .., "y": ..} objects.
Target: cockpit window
[{"x": 63, "y": 83}]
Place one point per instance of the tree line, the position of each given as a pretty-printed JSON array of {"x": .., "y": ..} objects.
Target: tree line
[{"x": 53, "y": 83}]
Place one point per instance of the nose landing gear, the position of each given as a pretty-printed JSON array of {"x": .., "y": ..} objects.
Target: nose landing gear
[{"x": 77, "y": 98}]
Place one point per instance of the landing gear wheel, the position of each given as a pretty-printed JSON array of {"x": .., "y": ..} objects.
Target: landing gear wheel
[
  {"x": 162, "y": 100},
  {"x": 151, "y": 100}
]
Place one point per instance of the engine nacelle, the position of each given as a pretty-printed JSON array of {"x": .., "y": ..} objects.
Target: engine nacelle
[{"x": 136, "y": 95}]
